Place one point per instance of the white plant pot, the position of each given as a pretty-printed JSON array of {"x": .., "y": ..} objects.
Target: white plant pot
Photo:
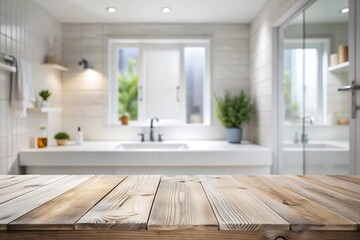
[{"x": 45, "y": 104}]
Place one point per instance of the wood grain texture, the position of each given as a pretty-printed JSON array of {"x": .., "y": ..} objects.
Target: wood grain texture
[
  {"x": 6, "y": 176},
  {"x": 302, "y": 213},
  {"x": 14, "y": 179},
  {"x": 338, "y": 185},
  {"x": 178, "y": 235},
  {"x": 19, "y": 206},
  {"x": 236, "y": 208},
  {"x": 181, "y": 203},
  {"x": 127, "y": 207},
  {"x": 64, "y": 211},
  {"x": 182, "y": 207},
  {"x": 342, "y": 204},
  {"x": 21, "y": 188},
  {"x": 352, "y": 179}
]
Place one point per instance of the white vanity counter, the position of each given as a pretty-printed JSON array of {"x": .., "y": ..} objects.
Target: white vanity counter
[{"x": 198, "y": 157}]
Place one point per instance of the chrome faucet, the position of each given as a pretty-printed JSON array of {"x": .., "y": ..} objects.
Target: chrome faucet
[
  {"x": 296, "y": 139},
  {"x": 152, "y": 128},
  {"x": 304, "y": 136},
  {"x": 311, "y": 120}
]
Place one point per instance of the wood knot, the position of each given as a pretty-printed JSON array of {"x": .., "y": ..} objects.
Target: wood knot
[
  {"x": 279, "y": 238},
  {"x": 285, "y": 202}
]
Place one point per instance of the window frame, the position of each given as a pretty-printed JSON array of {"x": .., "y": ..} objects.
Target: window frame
[
  {"x": 142, "y": 45},
  {"x": 322, "y": 45}
]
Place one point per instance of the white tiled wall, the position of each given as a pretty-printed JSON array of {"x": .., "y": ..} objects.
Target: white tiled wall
[
  {"x": 85, "y": 100},
  {"x": 261, "y": 75},
  {"x": 26, "y": 31}
]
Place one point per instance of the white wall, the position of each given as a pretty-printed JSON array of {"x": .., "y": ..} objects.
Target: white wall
[
  {"x": 85, "y": 100},
  {"x": 25, "y": 31},
  {"x": 261, "y": 67}
]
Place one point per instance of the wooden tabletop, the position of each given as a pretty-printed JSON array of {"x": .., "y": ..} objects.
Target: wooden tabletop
[{"x": 179, "y": 207}]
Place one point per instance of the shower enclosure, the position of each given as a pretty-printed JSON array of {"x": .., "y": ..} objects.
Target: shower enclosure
[{"x": 314, "y": 114}]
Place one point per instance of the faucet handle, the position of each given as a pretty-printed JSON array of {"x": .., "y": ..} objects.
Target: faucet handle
[
  {"x": 160, "y": 137},
  {"x": 296, "y": 138},
  {"x": 310, "y": 118},
  {"x": 142, "y": 135}
]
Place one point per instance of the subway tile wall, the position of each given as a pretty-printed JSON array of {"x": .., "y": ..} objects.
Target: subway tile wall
[
  {"x": 261, "y": 74},
  {"x": 27, "y": 32},
  {"x": 85, "y": 100}
]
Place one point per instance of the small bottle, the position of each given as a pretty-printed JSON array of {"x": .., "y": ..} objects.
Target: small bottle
[
  {"x": 42, "y": 138},
  {"x": 79, "y": 137}
]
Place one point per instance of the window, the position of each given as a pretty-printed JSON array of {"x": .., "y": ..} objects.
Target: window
[
  {"x": 311, "y": 86},
  {"x": 128, "y": 78},
  {"x": 168, "y": 79}
]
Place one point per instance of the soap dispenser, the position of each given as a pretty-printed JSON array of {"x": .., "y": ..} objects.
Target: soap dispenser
[{"x": 79, "y": 137}]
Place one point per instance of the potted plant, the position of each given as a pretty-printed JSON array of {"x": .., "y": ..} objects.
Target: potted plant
[
  {"x": 61, "y": 138},
  {"x": 45, "y": 94},
  {"x": 125, "y": 118},
  {"x": 233, "y": 111}
]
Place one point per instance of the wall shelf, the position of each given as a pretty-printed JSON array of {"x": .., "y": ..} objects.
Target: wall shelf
[
  {"x": 56, "y": 67},
  {"x": 45, "y": 110},
  {"x": 339, "y": 68},
  {"x": 7, "y": 67}
]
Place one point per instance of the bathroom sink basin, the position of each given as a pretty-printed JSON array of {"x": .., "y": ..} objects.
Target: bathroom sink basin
[
  {"x": 310, "y": 145},
  {"x": 152, "y": 146}
]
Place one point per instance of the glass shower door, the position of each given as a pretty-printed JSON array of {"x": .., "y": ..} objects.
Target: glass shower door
[
  {"x": 292, "y": 88},
  {"x": 315, "y": 129},
  {"x": 326, "y": 111}
]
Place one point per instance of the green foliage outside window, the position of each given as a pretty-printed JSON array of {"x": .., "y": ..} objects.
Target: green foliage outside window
[
  {"x": 291, "y": 106},
  {"x": 128, "y": 90}
]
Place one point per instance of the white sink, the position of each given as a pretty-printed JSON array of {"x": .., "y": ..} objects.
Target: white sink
[
  {"x": 152, "y": 146},
  {"x": 310, "y": 145}
]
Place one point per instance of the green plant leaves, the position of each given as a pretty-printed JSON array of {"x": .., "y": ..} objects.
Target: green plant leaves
[
  {"x": 234, "y": 110},
  {"x": 128, "y": 90},
  {"x": 44, "y": 94},
  {"x": 62, "y": 135}
]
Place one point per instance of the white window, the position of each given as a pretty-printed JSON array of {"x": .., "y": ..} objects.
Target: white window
[
  {"x": 305, "y": 80},
  {"x": 168, "y": 79}
]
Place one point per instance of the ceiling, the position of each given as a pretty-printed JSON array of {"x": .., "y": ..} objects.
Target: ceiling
[
  {"x": 149, "y": 11},
  {"x": 324, "y": 11}
]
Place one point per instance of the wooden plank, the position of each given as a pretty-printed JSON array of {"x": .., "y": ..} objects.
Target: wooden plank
[
  {"x": 64, "y": 211},
  {"x": 338, "y": 185},
  {"x": 342, "y": 204},
  {"x": 12, "y": 180},
  {"x": 19, "y": 206},
  {"x": 178, "y": 235},
  {"x": 6, "y": 176},
  {"x": 127, "y": 207},
  {"x": 302, "y": 213},
  {"x": 236, "y": 208},
  {"x": 21, "y": 188},
  {"x": 181, "y": 203},
  {"x": 352, "y": 179}
]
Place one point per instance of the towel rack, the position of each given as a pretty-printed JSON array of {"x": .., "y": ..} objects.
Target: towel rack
[{"x": 9, "y": 61}]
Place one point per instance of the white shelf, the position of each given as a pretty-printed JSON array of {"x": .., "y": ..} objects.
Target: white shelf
[
  {"x": 46, "y": 110},
  {"x": 7, "y": 67},
  {"x": 56, "y": 67},
  {"x": 339, "y": 68}
]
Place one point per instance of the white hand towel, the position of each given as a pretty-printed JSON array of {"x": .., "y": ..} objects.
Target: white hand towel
[{"x": 22, "y": 88}]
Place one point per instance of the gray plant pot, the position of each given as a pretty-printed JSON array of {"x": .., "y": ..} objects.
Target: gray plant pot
[{"x": 234, "y": 135}]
